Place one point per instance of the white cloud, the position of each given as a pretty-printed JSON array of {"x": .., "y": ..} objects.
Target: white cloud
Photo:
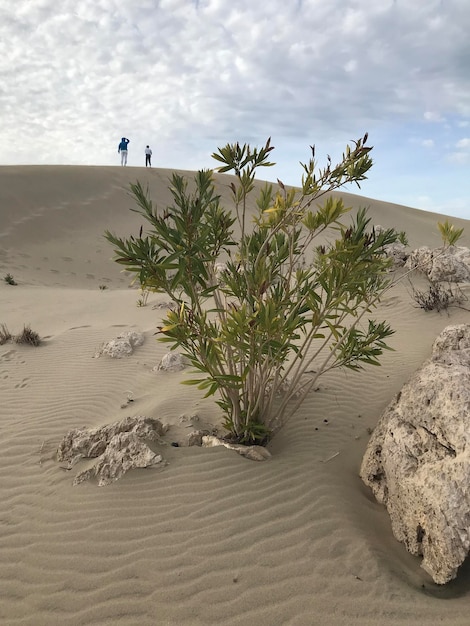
[
  {"x": 433, "y": 116},
  {"x": 459, "y": 157},
  {"x": 463, "y": 143},
  {"x": 427, "y": 143},
  {"x": 188, "y": 74}
]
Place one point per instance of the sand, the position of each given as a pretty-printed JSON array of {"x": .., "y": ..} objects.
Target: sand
[{"x": 212, "y": 538}]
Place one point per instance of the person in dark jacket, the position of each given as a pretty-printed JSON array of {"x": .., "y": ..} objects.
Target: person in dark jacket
[{"x": 122, "y": 148}]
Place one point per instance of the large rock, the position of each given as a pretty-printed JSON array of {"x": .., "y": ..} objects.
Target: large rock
[
  {"x": 417, "y": 462},
  {"x": 445, "y": 264},
  {"x": 117, "y": 453},
  {"x": 124, "y": 452}
]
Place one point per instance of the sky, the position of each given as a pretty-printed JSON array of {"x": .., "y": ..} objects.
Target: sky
[{"x": 188, "y": 76}]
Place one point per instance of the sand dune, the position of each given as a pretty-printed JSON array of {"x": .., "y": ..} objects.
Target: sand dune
[{"x": 212, "y": 538}]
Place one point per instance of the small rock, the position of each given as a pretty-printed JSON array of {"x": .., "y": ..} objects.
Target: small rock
[
  {"x": 254, "y": 453},
  {"x": 195, "y": 438},
  {"x": 172, "y": 362}
]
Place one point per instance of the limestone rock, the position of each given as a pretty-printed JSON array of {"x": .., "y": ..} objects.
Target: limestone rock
[
  {"x": 195, "y": 437},
  {"x": 449, "y": 264},
  {"x": 417, "y": 462},
  {"x": 124, "y": 452},
  {"x": 255, "y": 453},
  {"x": 172, "y": 362},
  {"x": 89, "y": 443},
  {"x": 397, "y": 252},
  {"x": 123, "y": 345}
]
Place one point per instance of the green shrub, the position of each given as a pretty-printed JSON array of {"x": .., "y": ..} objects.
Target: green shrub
[
  {"x": 8, "y": 278},
  {"x": 252, "y": 317},
  {"x": 450, "y": 235}
]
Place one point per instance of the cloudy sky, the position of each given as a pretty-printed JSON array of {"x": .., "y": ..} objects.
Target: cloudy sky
[{"x": 186, "y": 76}]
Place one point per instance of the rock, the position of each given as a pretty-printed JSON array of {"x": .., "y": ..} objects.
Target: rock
[
  {"x": 172, "y": 362},
  {"x": 89, "y": 443},
  {"x": 125, "y": 451},
  {"x": 397, "y": 252},
  {"x": 255, "y": 453},
  {"x": 445, "y": 264},
  {"x": 123, "y": 345},
  {"x": 417, "y": 462},
  {"x": 195, "y": 438}
]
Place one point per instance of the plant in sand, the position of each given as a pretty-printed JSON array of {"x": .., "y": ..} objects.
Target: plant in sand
[
  {"x": 438, "y": 297},
  {"x": 5, "y": 334},
  {"x": 449, "y": 233},
  {"x": 8, "y": 278},
  {"x": 251, "y": 316},
  {"x": 28, "y": 336},
  {"x": 142, "y": 301}
]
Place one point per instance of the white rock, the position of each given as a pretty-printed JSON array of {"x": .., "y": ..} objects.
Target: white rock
[
  {"x": 123, "y": 345},
  {"x": 255, "y": 453},
  {"x": 417, "y": 462},
  {"x": 124, "y": 452},
  {"x": 172, "y": 362},
  {"x": 449, "y": 264},
  {"x": 397, "y": 252}
]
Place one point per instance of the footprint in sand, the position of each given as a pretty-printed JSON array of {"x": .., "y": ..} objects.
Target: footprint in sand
[
  {"x": 4, "y": 374},
  {"x": 7, "y": 356},
  {"x": 67, "y": 258},
  {"x": 90, "y": 276},
  {"x": 24, "y": 383},
  {"x": 55, "y": 271}
]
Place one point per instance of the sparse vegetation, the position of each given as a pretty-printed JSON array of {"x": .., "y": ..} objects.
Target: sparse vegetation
[
  {"x": 450, "y": 235},
  {"x": 28, "y": 336},
  {"x": 402, "y": 237},
  {"x": 103, "y": 287},
  {"x": 5, "y": 334},
  {"x": 438, "y": 296},
  {"x": 276, "y": 324},
  {"x": 142, "y": 301},
  {"x": 8, "y": 278}
]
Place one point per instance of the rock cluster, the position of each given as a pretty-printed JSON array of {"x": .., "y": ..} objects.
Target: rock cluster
[{"x": 417, "y": 462}]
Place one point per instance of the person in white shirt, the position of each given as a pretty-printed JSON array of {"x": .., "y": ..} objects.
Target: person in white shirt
[{"x": 148, "y": 157}]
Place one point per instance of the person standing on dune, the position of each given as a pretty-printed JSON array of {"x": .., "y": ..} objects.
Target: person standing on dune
[
  {"x": 148, "y": 156},
  {"x": 122, "y": 148}
]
